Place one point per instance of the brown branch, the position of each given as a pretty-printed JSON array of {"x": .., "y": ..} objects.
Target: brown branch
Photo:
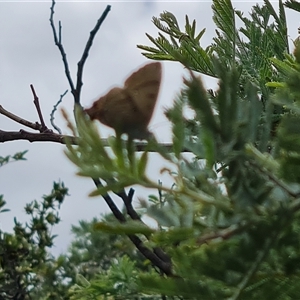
[
  {"x": 6, "y": 136},
  {"x": 50, "y": 136},
  {"x": 35, "y": 126},
  {"x": 86, "y": 53},
  {"x": 54, "y": 110},
  {"x": 223, "y": 234},
  {"x": 36, "y": 102},
  {"x": 58, "y": 43},
  {"x": 127, "y": 199},
  {"x": 165, "y": 267}
]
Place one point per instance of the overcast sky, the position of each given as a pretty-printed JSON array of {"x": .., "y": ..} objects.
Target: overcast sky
[{"x": 29, "y": 56}]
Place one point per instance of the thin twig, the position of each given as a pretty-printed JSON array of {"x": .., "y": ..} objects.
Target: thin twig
[
  {"x": 35, "y": 126},
  {"x": 116, "y": 212},
  {"x": 223, "y": 234},
  {"x": 295, "y": 206},
  {"x": 127, "y": 199},
  {"x": 38, "y": 108},
  {"x": 58, "y": 43},
  {"x": 259, "y": 258},
  {"x": 86, "y": 53},
  {"x": 275, "y": 179},
  {"x": 53, "y": 111}
]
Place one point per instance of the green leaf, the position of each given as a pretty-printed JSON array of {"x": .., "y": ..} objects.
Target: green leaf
[
  {"x": 142, "y": 165},
  {"x": 128, "y": 228},
  {"x": 198, "y": 99}
]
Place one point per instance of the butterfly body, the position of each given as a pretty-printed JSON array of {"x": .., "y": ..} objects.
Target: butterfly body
[{"x": 129, "y": 109}]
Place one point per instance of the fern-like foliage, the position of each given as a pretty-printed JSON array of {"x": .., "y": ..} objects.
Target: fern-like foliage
[
  {"x": 230, "y": 222},
  {"x": 262, "y": 36}
]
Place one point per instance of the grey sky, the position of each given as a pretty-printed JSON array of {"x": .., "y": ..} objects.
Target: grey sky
[{"x": 29, "y": 56}]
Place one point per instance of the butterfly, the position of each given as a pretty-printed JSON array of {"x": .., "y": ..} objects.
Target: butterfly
[{"x": 130, "y": 108}]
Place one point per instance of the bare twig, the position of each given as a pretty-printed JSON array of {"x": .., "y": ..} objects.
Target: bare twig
[
  {"x": 35, "y": 126},
  {"x": 58, "y": 43},
  {"x": 6, "y": 136},
  {"x": 116, "y": 212},
  {"x": 259, "y": 259},
  {"x": 38, "y": 108},
  {"x": 288, "y": 189},
  {"x": 86, "y": 53},
  {"x": 127, "y": 199},
  {"x": 223, "y": 234},
  {"x": 53, "y": 111},
  {"x": 61, "y": 48}
]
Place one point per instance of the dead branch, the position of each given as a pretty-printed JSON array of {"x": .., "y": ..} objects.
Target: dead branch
[
  {"x": 6, "y": 136},
  {"x": 35, "y": 126},
  {"x": 58, "y": 43},
  {"x": 53, "y": 111},
  {"x": 86, "y": 53},
  {"x": 36, "y": 102}
]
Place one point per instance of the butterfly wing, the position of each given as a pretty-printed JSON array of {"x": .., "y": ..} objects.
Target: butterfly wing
[
  {"x": 113, "y": 109},
  {"x": 143, "y": 87},
  {"x": 129, "y": 109},
  {"x": 118, "y": 111}
]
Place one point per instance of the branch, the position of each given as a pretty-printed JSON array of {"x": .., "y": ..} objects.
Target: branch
[
  {"x": 6, "y": 136},
  {"x": 36, "y": 102},
  {"x": 54, "y": 110},
  {"x": 127, "y": 199},
  {"x": 86, "y": 53},
  {"x": 277, "y": 181},
  {"x": 58, "y": 43},
  {"x": 60, "y": 47},
  {"x": 35, "y": 126},
  {"x": 165, "y": 267},
  {"x": 223, "y": 234},
  {"x": 259, "y": 259},
  {"x": 116, "y": 212}
]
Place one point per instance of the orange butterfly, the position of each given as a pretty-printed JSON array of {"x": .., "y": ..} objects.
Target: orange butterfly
[{"x": 129, "y": 109}]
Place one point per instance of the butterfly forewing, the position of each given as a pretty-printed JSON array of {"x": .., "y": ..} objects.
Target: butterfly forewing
[{"x": 143, "y": 87}]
